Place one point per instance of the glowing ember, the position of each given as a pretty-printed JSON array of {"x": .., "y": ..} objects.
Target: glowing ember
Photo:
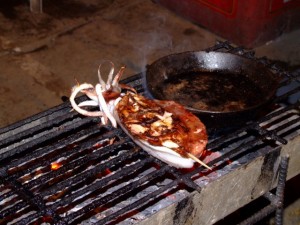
[
  {"x": 104, "y": 173},
  {"x": 55, "y": 165},
  {"x": 229, "y": 161}
]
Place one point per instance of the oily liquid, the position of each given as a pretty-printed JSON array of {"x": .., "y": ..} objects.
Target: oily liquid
[{"x": 212, "y": 91}]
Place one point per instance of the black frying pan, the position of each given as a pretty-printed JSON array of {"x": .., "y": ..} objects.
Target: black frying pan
[{"x": 223, "y": 89}]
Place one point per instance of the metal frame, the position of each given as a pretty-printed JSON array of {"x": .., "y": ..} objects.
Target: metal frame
[{"x": 276, "y": 201}]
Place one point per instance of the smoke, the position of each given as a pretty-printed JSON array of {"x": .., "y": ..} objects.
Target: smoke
[
  {"x": 156, "y": 45},
  {"x": 152, "y": 40}
]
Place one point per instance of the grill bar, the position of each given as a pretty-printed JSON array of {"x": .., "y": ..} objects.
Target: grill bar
[
  {"x": 101, "y": 184},
  {"x": 276, "y": 201},
  {"x": 40, "y": 116},
  {"x": 42, "y": 123},
  {"x": 38, "y": 141},
  {"x": 59, "y": 145},
  {"x": 141, "y": 202}
]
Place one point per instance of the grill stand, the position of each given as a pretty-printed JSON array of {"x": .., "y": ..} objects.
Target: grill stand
[
  {"x": 212, "y": 203},
  {"x": 276, "y": 201},
  {"x": 246, "y": 170}
]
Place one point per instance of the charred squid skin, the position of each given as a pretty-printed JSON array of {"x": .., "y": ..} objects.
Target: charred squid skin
[
  {"x": 162, "y": 153},
  {"x": 79, "y": 88},
  {"x": 179, "y": 146},
  {"x": 166, "y": 136}
]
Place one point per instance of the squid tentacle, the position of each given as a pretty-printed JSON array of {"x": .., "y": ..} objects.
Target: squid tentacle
[
  {"x": 104, "y": 106},
  {"x": 76, "y": 90},
  {"x": 110, "y": 76}
]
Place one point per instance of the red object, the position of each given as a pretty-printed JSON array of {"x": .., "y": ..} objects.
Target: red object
[{"x": 243, "y": 22}]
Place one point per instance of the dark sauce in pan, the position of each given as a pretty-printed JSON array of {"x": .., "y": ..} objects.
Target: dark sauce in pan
[{"x": 212, "y": 91}]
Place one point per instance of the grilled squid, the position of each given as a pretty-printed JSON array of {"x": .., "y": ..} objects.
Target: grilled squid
[{"x": 165, "y": 129}]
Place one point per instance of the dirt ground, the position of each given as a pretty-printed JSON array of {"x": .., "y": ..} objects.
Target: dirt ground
[{"x": 42, "y": 54}]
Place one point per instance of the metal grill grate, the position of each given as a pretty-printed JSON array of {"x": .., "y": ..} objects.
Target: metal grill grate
[{"x": 62, "y": 168}]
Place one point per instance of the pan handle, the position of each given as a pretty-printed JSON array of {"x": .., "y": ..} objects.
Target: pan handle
[{"x": 225, "y": 46}]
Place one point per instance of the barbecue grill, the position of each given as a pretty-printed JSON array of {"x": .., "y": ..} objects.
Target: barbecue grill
[{"x": 58, "y": 167}]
